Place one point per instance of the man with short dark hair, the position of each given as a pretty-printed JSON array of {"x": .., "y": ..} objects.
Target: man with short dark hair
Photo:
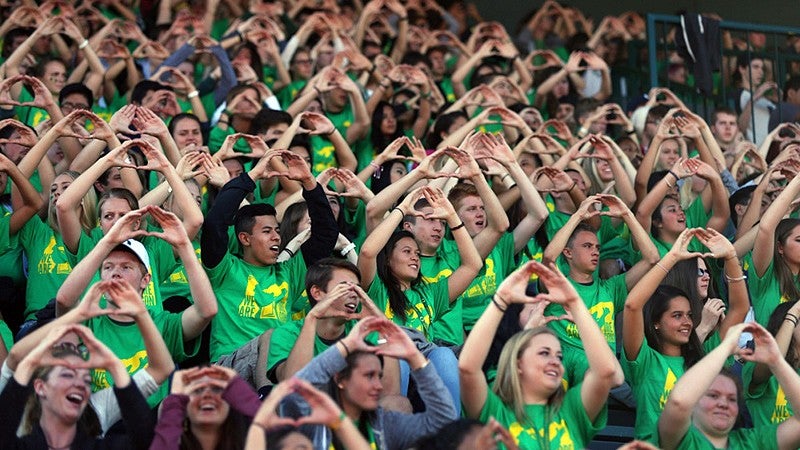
[
  {"x": 334, "y": 293},
  {"x": 256, "y": 292}
]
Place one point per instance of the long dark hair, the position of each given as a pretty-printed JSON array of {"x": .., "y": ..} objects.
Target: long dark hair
[
  {"x": 774, "y": 324},
  {"x": 380, "y": 140},
  {"x": 783, "y": 273},
  {"x": 366, "y": 417},
  {"x": 683, "y": 276},
  {"x": 654, "y": 309},
  {"x": 397, "y": 299},
  {"x": 232, "y": 433},
  {"x": 291, "y": 220}
]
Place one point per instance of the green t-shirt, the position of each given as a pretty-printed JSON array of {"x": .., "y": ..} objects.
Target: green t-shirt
[
  {"x": 125, "y": 340},
  {"x": 284, "y": 338},
  {"x": 10, "y": 250},
  {"x": 652, "y": 376},
  {"x": 496, "y": 267},
  {"x": 447, "y": 327},
  {"x": 603, "y": 298},
  {"x": 323, "y": 154},
  {"x": 48, "y": 264},
  {"x": 6, "y": 335},
  {"x": 287, "y": 95},
  {"x": 252, "y": 299},
  {"x": 426, "y": 302},
  {"x": 766, "y": 401},
  {"x": 569, "y": 428},
  {"x": 760, "y": 438},
  {"x": 177, "y": 284},
  {"x": 30, "y": 115},
  {"x": 765, "y": 292},
  {"x": 217, "y": 136}
]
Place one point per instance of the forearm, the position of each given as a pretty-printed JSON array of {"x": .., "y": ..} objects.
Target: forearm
[
  {"x": 192, "y": 215},
  {"x": 302, "y": 350},
  {"x": 34, "y": 156},
  {"x": 81, "y": 276},
  {"x": 241, "y": 397},
  {"x": 169, "y": 428},
  {"x": 205, "y": 301},
  {"x": 214, "y": 239},
  {"x": 789, "y": 381},
  {"x": 361, "y": 119},
  {"x": 160, "y": 363},
  {"x": 641, "y": 239},
  {"x": 388, "y": 197},
  {"x": 559, "y": 240},
  {"x": 739, "y": 300},
  {"x": 344, "y": 155},
  {"x": 324, "y": 229}
]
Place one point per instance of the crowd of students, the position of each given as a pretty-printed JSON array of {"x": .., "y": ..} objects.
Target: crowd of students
[{"x": 385, "y": 225}]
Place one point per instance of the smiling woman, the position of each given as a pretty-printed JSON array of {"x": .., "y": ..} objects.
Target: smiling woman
[
  {"x": 56, "y": 375},
  {"x": 208, "y": 407}
]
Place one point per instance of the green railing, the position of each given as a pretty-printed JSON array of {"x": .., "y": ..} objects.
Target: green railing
[{"x": 774, "y": 51}]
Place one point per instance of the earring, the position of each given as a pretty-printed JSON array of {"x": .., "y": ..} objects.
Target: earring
[{"x": 341, "y": 386}]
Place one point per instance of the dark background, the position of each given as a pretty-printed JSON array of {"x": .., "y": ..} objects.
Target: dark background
[{"x": 772, "y": 12}]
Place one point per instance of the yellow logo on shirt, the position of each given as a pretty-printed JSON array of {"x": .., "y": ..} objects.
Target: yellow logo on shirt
[
  {"x": 781, "y": 411},
  {"x": 275, "y": 309},
  {"x": 668, "y": 385},
  {"x": 132, "y": 365},
  {"x": 488, "y": 281},
  {"x": 558, "y": 434}
]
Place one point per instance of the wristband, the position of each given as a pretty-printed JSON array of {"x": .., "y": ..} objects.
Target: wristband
[
  {"x": 346, "y": 350},
  {"x": 670, "y": 172},
  {"x": 497, "y": 305},
  {"x": 347, "y": 248},
  {"x": 662, "y": 267},
  {"x": 461, "y": 225},
  {"x": 792, "y": 321},
  {"x": 289, "y": 251},
  {"x": 792, "y": 316},
  {"x": 398, "y": 208},
  {"x": 630, "y": 132},
  {"x": 192, "y": 94},
  {"x": 83, "y": 44},
  {"x": 731, "y": 279}
]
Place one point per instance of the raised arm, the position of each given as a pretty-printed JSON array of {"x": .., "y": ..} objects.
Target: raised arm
[
  {"x": 604, "y": 370},
  {"x": 676, "y": 418},
  {"x": 633, "y": 319},
  {"x": 474, "y": 389},
  {"x": 196, "y": 317},
  {"x": 379, "y": 236},
  {"x": 641, "y": 240},
  {"x": 534, "y": 204},
  {"x": 30, "y": 202},
  {"x": 559, "y": 242},
  {"x": 471, "y": 261},
  {"x": 763, "y": 249}
]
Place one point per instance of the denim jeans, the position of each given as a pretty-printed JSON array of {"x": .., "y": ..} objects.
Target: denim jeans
[{"x": 446, "y": 364}]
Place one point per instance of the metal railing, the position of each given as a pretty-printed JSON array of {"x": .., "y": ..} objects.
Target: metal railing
[{"x": 774, "y": 51}]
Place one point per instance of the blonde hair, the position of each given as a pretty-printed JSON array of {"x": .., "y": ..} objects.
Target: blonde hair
[
  {"x": 508, "y": 385},
  {"x": 88, "y": 214}
]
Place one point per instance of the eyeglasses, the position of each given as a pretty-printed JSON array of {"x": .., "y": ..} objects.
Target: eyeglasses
[{"x": 702, "y": 272}]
